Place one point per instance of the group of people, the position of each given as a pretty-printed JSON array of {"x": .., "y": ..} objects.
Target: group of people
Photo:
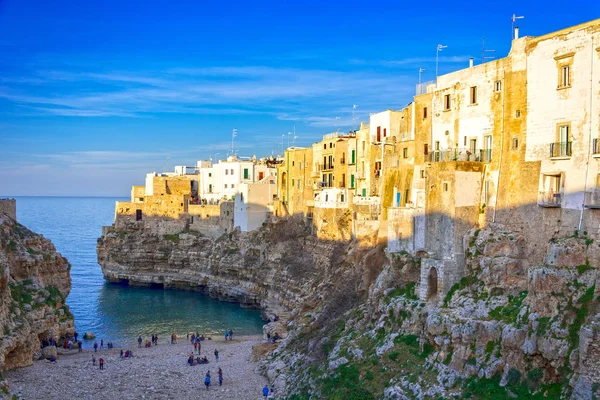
[
  {"x": 126, "y": 354},
  {"x": 197, "y": 361},
  {"x": 229, "y": 335},
  {"x": 273, "y": 339},
  {"x": 207, "y": 380},
  {"x": 109, "y": 345},
  {"x": 148, "y": 343}
]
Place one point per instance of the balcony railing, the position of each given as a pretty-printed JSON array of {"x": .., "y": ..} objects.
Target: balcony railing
[
  {"x": 342, "y": 161},
  {"x": 549, "y": 199},
  {"x": 479, "y": 155},
  {"x": 325, "y": 167},
  {"x": 596, "y": 146},
  {"x": 592, "y": 199},
  {"x": 322, "y": 185},
  {"x": 341, "y": 185},
  {"x": 561, "y": 149}
]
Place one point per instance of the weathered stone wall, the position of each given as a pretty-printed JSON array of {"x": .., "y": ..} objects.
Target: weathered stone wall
[
  {"x": 34, "y": 283},
  {"x": 9, "y": 207}
]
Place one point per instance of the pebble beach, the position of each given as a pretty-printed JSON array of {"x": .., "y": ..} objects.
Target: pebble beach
[{"x": 158, "y": 372}]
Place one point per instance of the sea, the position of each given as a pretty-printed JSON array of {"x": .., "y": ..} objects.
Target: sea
[{"x": 114, "y": 312}]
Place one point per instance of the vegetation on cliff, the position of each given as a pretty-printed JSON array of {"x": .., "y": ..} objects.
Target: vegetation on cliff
[
  {"x": 354, "y": 326},
  {"x": 34, "y": 283}
]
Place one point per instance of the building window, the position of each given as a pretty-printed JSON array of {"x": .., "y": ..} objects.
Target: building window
[
  {"x": 424, "y": 112},
  {"x": 425, "y": 148},
  {"x": 405, "y": 152},
  {"x": 225, "y": 186},
  {"x": 226, "y": 172},
  {"x": 447, "y": 102},
  {"x": 300, "y": 166},
  {"x": 565, "y": 80},
  {"x": 515, "y": 143},
  {"x": 353, "y": 159},
  {"x": 292, "y": 182},
  {"x": 473, "y": 93},
  {"x": 209, "y": 174},
  {"x": 379, "y": 134},
  {"x": 352, "y": 181},
  {"x": 232, "y": 171},
  {"x": 232, "y": 185},
  {"x": 498, "y": 86},
  {"x": 518, "y": 113},
  {"x": 331, "y": 145},
  {"x": 293, "y": 163},
  {"x": 384, "y": 132},
  {"x": 406, "y": 192},
  {"x": 446, "y": 186},
  {"x": 245, "y": 173},
  {"x": 363, "y": 146},
  {"x": 422, "y": 174}
]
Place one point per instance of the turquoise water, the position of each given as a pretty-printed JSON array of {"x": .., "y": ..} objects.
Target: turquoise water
[{"x": 115, "y": 312}]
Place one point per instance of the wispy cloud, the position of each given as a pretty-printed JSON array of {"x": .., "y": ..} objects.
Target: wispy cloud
[
  {"x": 209, "y": 90},
  {"x": 411, "y": 61}
]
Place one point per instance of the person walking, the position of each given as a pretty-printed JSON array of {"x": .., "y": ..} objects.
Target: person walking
[
  {"x": 93, "y": 360},
  {"x": 265, "y": 391},
  {"x": 207, "y": 380},
  {"x": 220, "y": 377},
  {"x": 217, "y": 354},
  {"x": 101, "y": 363},
  {"x": 95, "y": 347},
  {"x": 139, "y": 342},
  {"x": 199, "y": 346},
  {"x": 101, "y": 343},
  {"x": 230, "y": 334},
  {"x": 80, "y": 344}
]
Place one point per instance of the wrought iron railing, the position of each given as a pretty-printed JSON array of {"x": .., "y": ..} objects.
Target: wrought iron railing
[
  {"x": 459, "y": 155},
  {"x": 560, "y": 149},
  {"x": 550, "y": 199}
]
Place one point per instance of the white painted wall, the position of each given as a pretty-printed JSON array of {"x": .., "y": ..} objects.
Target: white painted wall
[
  {"x": 252, "y": 202},
  {"x": 577, "y": 105}
]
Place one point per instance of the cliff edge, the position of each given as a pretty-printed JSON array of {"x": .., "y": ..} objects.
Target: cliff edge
[{"x": 34, "y": 283}]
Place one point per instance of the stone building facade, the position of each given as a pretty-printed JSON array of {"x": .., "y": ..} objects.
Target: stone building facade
[{"x": 9, "y": 207}]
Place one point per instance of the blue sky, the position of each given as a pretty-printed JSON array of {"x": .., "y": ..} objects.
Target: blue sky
[{"x": 94, "y": 94}]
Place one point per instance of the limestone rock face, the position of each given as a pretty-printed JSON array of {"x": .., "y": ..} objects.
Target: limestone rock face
[{"x": 34, "y": 283}]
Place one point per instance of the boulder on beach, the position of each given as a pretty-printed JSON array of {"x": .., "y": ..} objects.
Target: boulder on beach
[
  {"x": 89, "y": 336},
  {"x": 49, "y": 351}
]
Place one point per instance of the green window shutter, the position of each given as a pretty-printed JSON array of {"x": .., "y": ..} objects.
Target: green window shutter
[
  {"x": 352, "y": 178},
  {"x": 364, "y": 192},
  {"x": 245, "y": 173},
  {"x": 353, "y": 156}
]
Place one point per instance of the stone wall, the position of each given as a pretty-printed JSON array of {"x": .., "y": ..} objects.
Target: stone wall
[{"x": 9, "y": 207}]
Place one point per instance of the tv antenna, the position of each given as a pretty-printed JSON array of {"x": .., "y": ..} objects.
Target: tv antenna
[
  {"x": 233, "y": 135},
  {"x": 514, "y": 19},
  {"x": 437, "y": 52},
  {"x": 483, "y": 51},
  {"x": 354, "y": 117}
]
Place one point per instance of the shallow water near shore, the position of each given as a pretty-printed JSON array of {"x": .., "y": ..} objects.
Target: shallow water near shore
[{"x": 115, "y": 312}]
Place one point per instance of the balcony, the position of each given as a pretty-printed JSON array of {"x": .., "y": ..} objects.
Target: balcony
[
  {"x": 549, "y": 199},
  {"x": 560, "y": 150},
  {"x": 341, "y": 185},
  {"x": 592, "y": 199},
  {"x": 479, "y": 155},
  {"x": 596, "y": 147},
  {"x": 322, "y": 185},
  {"x": 325, "y": 167}
]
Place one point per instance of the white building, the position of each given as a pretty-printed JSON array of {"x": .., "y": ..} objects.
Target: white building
[
  {"x": 222, "y": 180},
  {"x": 253, "y": 203}
]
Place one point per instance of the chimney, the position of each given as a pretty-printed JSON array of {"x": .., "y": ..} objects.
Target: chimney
[
  {"x": 516, "y": 32},
  {"x": 470, "y": 62}
]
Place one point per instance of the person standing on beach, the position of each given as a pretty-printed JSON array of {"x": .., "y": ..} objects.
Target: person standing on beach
[
  {"x": 101, "y": 343},
  {"x": 220, "y": 377},
  {"x": 230, "y": 334},
  {"x": 207, "y": 380},
  {"x": 95, "y": 347},
  {"x": 217, "y": 354},
  {"x": 265, "y": 391},
  {"x": 101, "y": 363},
  {"x": 93, "y": 360},
  {"x": 139, "y": 342},
  {"x": 199, "y": 346}
]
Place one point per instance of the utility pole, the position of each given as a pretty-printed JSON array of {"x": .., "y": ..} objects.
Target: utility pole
[
  {"x": 420, "y": 72},
  {"x": 437, "y": 52},
  {"x": 354, "y": 125},
  {"x": 514, "y": 19}
]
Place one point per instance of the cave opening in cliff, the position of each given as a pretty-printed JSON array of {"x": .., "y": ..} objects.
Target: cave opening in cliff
[{"x": 432, "y": 283}]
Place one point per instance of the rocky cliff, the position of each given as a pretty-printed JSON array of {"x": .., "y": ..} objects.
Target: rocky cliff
[
  {"x": 34, "y": 283},
  {"x": 354, "y": 327}
]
